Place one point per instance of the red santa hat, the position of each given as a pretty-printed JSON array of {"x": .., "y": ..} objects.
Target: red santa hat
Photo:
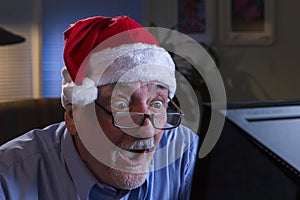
[{"x": 102, "y": 50}]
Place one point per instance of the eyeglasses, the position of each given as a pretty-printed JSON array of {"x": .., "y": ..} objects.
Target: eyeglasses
[{"x": 130, "y": 120}]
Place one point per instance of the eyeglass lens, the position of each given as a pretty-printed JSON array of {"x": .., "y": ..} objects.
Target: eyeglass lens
[{"x": 134, "y": 119}]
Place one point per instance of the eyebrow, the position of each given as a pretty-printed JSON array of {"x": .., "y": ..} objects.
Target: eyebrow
[{"x": 162, "y": 86}]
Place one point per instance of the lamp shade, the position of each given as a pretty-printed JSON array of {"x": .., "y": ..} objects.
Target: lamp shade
[{"x": 7, "y": 37}]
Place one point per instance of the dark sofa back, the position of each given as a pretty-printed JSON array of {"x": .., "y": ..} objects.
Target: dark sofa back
[{"x": 21, "y": 116}]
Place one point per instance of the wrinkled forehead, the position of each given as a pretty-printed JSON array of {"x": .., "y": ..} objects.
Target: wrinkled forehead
[{"x": 130, "y": 88}]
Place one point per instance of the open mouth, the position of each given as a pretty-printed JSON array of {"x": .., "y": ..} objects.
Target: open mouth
[
  {"x": 134, "y": 157},
  {"x": 147, "y": 150},
  {"x": 136, "y": 154}
]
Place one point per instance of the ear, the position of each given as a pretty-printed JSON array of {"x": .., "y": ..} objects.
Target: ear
[{"x": 70, "y": 120}]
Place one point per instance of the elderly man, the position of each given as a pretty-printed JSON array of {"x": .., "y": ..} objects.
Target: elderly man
[{"x": 119, "y": 140}]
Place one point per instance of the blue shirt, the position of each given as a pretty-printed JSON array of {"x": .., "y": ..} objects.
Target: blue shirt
[{"x": 44, "y": 164}]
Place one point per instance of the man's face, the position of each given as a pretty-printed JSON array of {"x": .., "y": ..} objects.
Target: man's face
[{"x": 134, "y": 147}]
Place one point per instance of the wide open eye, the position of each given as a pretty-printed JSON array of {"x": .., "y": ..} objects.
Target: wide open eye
[
  {"x": 157, "y": 105},
  {"x": 119, "y": 105}
]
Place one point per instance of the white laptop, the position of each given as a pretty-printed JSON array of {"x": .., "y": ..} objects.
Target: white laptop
[{"x": 276, "y": 129}]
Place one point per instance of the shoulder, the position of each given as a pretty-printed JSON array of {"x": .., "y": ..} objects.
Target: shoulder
[
  {"x": 182, "y": 136},
  {"x": 181, "y": 131},
  {"x": 173, "y": 164},
  {"x": 36, "y": 162},
  {"x": 178, "y": 147},
  {"x": 35, "y": 143}
]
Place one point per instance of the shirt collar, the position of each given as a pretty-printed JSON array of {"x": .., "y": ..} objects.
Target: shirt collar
[{"x": 81, "y": 175}]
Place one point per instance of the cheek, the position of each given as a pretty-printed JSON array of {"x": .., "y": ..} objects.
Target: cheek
[{"x": 114, "y": 134}]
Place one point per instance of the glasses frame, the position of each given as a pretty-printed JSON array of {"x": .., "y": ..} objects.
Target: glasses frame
[{"x": 149, "y": 116}]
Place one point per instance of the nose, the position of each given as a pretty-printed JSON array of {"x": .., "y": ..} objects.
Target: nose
[
  {"x": 146, "y": 130},
  {"x": 142, "y": 107}
]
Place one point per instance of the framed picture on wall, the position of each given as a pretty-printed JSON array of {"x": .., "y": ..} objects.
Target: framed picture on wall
[
  {"x": 246, "y": 22},
  {"x": 196, "y": 18}
]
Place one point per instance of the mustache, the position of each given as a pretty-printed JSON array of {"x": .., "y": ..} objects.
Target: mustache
[{"x": 138, "y": 145}]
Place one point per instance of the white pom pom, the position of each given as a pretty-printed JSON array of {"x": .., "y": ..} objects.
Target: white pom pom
[{"x": 86, "y": 93}]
